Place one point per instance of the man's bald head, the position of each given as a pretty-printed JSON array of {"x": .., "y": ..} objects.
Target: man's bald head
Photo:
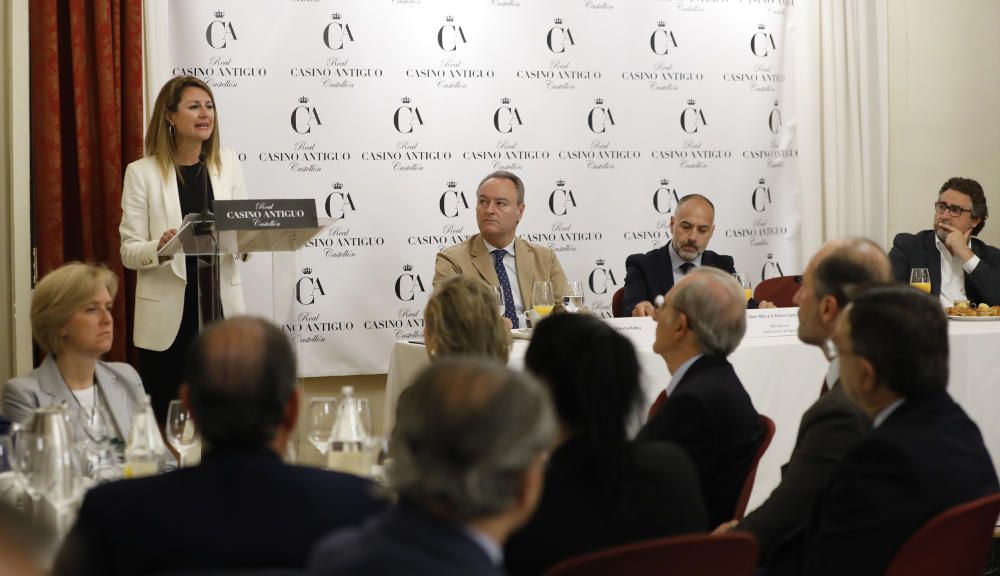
[
  {"x": 240, "y": 376},
  {"x": 850, "y": 262}
]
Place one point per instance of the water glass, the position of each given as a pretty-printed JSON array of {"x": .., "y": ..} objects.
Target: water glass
[
  {"x": 573, "y": 296},
  {"x": 182, "y": 433},
  {"x": 322, "y": 416},
  {"x": 498, "y": 292}
]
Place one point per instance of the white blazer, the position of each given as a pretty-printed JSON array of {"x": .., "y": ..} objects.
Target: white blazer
[{"x": 150, "y": 207}]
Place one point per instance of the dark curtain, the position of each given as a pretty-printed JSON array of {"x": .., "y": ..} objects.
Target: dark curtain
[{"x": 86, "y": 126}]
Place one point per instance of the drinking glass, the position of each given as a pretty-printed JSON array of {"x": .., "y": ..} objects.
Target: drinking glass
[
  {"x": 365, "y": 415},
  {"x": 542, "y": 298},
  {"x": 7, "y": 454},
  {"x": 573, "y": 296},
  {"x": 498, "y": 292},
  {"x": 744, "y": 281},
  {"x": 181, "y": 430},
  {"x": 920, "y": 278},
  {"x": 322, "y": 415}
]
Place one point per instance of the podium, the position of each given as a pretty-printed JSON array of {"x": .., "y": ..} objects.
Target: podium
[{"x": 210, "y": 240}]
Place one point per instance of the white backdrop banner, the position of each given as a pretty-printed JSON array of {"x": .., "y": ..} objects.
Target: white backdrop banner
[{"x": 389, "y": 112}]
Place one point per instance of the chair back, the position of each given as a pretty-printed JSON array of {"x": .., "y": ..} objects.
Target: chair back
[
  {"x": 617, "y": 300},
  {"x": 953, "y": 543},
  {"x": 778, "y": 291},
  {"x": 767, "y": 425},
  {"x": 732, "y": 554}
]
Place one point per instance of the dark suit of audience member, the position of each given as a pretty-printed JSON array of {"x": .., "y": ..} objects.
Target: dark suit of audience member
[
  {"x": 920, "y": 251},
  {"x": 652, "y": 274},
  {"x": 828, "y": 430},
  {"x": 711, "y": 417},
  {"x": 241, "y": 508},
  {"x": 658, "y": 495},
  {"x": 468, "y": 466},
  {"x": 404, "y": 540},
  {"x": 924, "y": 454}
]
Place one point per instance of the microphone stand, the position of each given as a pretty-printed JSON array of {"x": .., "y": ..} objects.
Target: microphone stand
[{"x": 206, "y": 227}]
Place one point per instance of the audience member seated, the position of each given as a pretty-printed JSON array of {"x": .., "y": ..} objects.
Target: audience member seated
[
  {"x": 240, "y": 509},
  {"x": 833, "y": 425},
  {"x": 601, "y": 489},
  {"x": 924, "y": 455},
  {"x": 71, "y": 323},
  {"x": 707, "y": 411},
  {"x": 468, "y": 462},
  {"x": 960, "y": 266},
  {"x": 461, "y": 319}
]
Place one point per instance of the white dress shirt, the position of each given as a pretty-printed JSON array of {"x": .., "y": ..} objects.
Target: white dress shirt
[{"x": 953, "y": 272}]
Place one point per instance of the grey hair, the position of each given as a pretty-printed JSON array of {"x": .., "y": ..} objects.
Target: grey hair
[
  {"x": 716, "y": 306},
  {"x": 505, "y": 175},
  {"x": 466, "y": 431}
]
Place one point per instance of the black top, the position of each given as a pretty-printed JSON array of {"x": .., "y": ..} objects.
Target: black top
[{"x": 190, "y": 186}]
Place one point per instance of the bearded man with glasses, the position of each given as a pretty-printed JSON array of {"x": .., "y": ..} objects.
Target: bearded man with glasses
[{"x": 960, "y": 267}]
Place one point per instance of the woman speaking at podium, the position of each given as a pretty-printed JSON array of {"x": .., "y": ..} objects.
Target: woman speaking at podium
[{"x": 182, "y": 148}]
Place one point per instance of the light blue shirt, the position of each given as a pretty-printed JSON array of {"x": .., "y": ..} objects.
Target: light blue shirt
[
  {"x": 510, "y": 265},
  {"x": 886, "y": 412},
  {"x": 676, "y": 262},
  {"x": 492, "y": 549},
  {"x": 676, "y": 377}
]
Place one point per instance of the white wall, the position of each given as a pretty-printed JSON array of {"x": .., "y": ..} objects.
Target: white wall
[{"x": 944, "y": 118}]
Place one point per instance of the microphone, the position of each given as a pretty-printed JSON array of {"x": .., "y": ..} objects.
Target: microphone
[{"x": 206, "y": 216}]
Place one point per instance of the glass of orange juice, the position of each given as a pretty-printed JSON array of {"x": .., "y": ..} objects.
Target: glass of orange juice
[
  {"x": 920, "y": 278},
  {"x": 542, "y": 298},
  {"x": 744, "y": 281}
]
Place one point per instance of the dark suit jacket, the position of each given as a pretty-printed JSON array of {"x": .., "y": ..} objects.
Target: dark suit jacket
[
  {"x": 919, "y": 251},
  {"x": 236, "y": 510},
  {"x": 404, "y": 540},
  {"x": 657, "y": 495},
  {"x": 651, "y": 274},
  {"x": 829, "y": 429},
  {"x": 711, "y": 417},
  {"x": 926, "y": 457}
]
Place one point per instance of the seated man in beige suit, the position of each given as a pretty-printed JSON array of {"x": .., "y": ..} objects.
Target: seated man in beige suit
[{"x": 496, "y": 256}]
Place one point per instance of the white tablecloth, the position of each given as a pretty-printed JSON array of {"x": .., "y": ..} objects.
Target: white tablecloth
[{"x": 783, "y": 377}]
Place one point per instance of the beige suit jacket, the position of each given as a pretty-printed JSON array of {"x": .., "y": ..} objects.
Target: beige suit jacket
[
  {"x": 533, "y": 261},
  {"x": 150, "y": 207}
]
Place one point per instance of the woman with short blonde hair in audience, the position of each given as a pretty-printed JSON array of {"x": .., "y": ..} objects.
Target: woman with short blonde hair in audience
[
  {"x": 462, "y": 318},
  {"x": 72, "y": 324}
]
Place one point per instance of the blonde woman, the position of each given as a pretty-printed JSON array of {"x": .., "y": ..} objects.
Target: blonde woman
[
  {"x": 71, "y": 322},
  {"x": 159, "y": 190},
  {"x": 462, "y": 318}
]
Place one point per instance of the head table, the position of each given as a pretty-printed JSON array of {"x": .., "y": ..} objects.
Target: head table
[{"x": 783, "y": 377}]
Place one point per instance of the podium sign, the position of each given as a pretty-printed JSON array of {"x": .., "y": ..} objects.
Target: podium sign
[{"x": 274, "y": 214}]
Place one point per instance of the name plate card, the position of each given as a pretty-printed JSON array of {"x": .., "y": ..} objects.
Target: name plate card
[
  {"x": 641, "y": 331},
  {"x": 265, "y": 214},
  {"x": 771, "y": 322}
]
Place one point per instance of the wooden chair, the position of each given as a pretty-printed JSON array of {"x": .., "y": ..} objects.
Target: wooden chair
[
  {"x": 732, "y": 554},
  {"x": 778, "y": 291},
  {"x": 953, "y": 543}
]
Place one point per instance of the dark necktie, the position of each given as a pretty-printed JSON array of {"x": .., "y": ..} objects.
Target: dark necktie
[
  {"x": 508, "y": 296},
  {"x": 686, "y": 267}
]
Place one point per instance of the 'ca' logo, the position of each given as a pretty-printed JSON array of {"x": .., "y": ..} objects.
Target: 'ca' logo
[
  {"x": 601, "y": 278},
  {"x": 558, "y": 37},
  {"x": 505, "y": 117},
  {"x": 450, "y": 36},
  {"x": 452, "y": 201},
  {"x": 600, "y": 117},
  {"x": 338, "y": 202},
  {"x": 219, "y": 31},
  {"x": 308, "y": 288},
  {"x": 305, "y": 117},
  {"x": 662, "y": 39},
  {"x": 761, "y": 43},
  {"x": 774, "y": 119},
  {"x": 407, "y": 285},
  {"x": 336, "y": 33},
  {"x": 692, "y": 117},
  {"x": 665, "y": 199},
  {"x": 761, "y": 196},
  {"x": 406, "y": 117},
  {"x": 561, "y": 199}
]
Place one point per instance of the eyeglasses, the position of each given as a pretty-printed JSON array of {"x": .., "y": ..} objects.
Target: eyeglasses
[{"x": 955, "y": 211}]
